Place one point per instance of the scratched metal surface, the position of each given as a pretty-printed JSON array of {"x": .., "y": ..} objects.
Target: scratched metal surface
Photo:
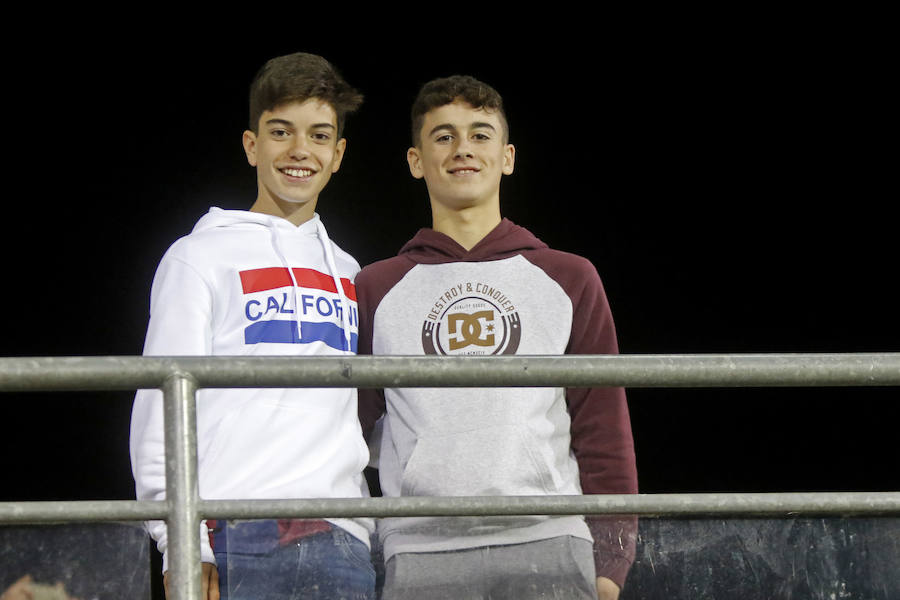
[
  {"x": 776, "y": 559},
  {"x": 93, "y": 561}
]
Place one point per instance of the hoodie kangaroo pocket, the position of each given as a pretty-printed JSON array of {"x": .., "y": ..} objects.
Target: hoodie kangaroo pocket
[{"x": 499, "y": 460}]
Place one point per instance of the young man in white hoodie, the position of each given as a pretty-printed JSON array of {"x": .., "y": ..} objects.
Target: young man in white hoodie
[
  {"x": 477, "y": 284},
  {"x": 268, "y": 281}
]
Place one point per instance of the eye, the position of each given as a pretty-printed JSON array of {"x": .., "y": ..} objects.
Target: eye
[
  {"x": 321, "y": 137},
  {"x": 481, "y": 137},
  {"x": 279, "y": 133},
  {"x": 443, "y": 139}
]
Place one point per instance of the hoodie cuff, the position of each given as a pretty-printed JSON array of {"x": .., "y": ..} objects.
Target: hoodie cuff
[
  {"x": 206, "y": 555},
  {"x": 612, "y": 567},
  {"x": 615, "y": 541},
  {"x": 206, "y": 551}
]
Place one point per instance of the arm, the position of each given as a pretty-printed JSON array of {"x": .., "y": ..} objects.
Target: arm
[
  {"x": 371, "y": 401},
  {"x": 180, "y": 325},
  {"x": 601, "y": 435}
]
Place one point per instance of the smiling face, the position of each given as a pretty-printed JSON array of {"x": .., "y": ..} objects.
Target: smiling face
[
  {"x": 295, "y": 153},
  {"x": 462, "y": 156}
]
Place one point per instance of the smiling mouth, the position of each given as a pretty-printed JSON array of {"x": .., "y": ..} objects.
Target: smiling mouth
[
  {"x": 292, "y": 172},
  {"x": 463, "y": 171}
]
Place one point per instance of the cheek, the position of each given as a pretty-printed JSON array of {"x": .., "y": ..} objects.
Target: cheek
[
  {"x": 327, "y": 158},
  {"x": 262, "y": 156}
]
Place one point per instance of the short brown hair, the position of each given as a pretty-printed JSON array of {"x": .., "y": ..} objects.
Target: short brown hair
[
  {"x": 296, "y": 78},
  {"x": 447, "y": 90}
]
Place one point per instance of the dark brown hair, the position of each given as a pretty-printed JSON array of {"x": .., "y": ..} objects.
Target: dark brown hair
[
  {"x": 446, "y": 90},
  {"x": 296, "y": 78}
]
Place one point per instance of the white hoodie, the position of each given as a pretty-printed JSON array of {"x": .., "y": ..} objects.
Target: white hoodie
[{"x": 249, "y": 284}]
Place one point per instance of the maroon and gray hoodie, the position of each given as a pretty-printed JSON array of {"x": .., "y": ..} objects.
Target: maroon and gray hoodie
[{"x": 510, "y": 294}]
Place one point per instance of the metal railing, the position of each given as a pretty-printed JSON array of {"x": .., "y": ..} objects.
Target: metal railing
[{"x": 180, "y": 377}]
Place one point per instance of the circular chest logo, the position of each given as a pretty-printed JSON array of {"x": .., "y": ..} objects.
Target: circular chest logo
[{"x": 472, "y": 319}]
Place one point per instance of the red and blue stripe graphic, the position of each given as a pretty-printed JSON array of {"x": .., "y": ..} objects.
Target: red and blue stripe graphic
[
  {"x": 284, "y": 331},
  {"x": 261, "y": 280}
]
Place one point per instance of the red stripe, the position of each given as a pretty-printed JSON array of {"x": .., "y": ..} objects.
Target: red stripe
[
  {"x": 310, "y": 278},
  {"x": 260, "y": 280}
]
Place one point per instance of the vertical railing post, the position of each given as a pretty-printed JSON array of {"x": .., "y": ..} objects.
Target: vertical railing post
[{"x": 182, "y": 488}]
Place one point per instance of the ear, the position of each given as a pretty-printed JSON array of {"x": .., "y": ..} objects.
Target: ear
[
  {"x": 415, "y": 162},
  {"x": 509, "y": 159},
  {"x": 339, "y": 150},
  {"x": 249, "y": 141}
]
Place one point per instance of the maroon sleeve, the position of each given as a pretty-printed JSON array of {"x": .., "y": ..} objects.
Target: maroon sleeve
[
  {"x": 601, "y": 427},
  {"x": 372, "y": 283}
]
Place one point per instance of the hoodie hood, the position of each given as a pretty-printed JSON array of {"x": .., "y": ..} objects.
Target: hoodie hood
[
  {"x": 506, "y": 239},
  {"x": 217, "y": 217}
]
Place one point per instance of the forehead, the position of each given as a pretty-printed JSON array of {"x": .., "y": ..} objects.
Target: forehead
[
  {"x": 302, "y": 113},
  {"x": 460, "y": 115}
]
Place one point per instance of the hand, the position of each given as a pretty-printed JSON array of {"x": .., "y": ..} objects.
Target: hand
[
  {"x": 209, "y": 582},
  {"x": 24, "y": 589},
  {"x": 19, "y": 590},
  {"x": 606, "y": 589}
]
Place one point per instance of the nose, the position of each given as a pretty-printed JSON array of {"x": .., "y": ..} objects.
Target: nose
[
  {"x": 463, "y": 149},
  {"x": 299, "y": 148},
  {"x": 462, "y": 153}
]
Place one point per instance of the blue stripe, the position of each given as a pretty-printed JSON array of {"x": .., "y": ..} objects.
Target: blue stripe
[{"x": 285, "y": 332}]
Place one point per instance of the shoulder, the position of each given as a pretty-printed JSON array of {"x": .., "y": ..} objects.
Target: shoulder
[
  {"x": 575, "y": 274},
  {"x": 563, "y": 266},
  {"x": 345, "y": 260},
  {"x": 198, "y": 246},
  {"x": 208, "y": 255},
  {"x": 377, "y": 279},
  {"x": 388, "y": 270}
]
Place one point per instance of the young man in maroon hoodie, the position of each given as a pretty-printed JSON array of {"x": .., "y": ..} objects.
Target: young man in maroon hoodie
[{"x": 477, "y": 284}]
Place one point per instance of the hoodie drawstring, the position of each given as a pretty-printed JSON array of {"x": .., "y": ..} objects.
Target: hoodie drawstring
[
  {"x": 328, "y": 250},
  {"x": 329, "y": 260},
  {"x": 275, "y": 246}
]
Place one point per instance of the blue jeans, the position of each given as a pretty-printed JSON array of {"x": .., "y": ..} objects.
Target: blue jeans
[{"x": 327, "y": 566}]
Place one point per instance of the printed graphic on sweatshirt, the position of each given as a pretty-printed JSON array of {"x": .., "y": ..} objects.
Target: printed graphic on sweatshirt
[
  {"x": 472, "y": 318},
  {"x": 272, "y": 303}
]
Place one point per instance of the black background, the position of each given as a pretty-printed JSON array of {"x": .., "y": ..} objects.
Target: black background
[{"x": 733, "y": 183}]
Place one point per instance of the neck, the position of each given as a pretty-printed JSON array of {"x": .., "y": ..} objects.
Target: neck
[
  {"x": 466, "y": 226},
  {"x": 294, "y": 212}
]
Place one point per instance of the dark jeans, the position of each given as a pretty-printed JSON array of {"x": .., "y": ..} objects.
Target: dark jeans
[{"x": 327, "y": 566}]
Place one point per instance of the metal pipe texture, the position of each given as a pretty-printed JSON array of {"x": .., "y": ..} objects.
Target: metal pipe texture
[
  {"x": 82, "y": 510},
  {"x": 772, "y": 505},
  {"x": 182, "y": 487},
  {"x": 697, "y": 370}
]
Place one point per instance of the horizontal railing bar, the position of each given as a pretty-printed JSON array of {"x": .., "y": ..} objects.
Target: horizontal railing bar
[
  {"x": 648, "y": 505},
  {"x": 786, "y": 504},
  {"x": 82, "y": 510},
  {"x": 689, "y": 370}
]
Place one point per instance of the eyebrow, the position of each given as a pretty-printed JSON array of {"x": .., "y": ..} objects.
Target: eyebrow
[
  {"x": 449, "y": 127},
  {"x": 287, "y": 123}
]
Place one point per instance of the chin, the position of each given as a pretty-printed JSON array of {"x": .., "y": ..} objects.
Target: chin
[{"x": 293, "y": 201}]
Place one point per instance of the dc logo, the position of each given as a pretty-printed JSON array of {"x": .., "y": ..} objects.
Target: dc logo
[
  {"x": 472, "y": 326},
  {"x": 469, "y": 328}
]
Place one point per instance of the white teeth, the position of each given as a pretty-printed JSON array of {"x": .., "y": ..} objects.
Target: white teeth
[{"x": 297, "y": 172}]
